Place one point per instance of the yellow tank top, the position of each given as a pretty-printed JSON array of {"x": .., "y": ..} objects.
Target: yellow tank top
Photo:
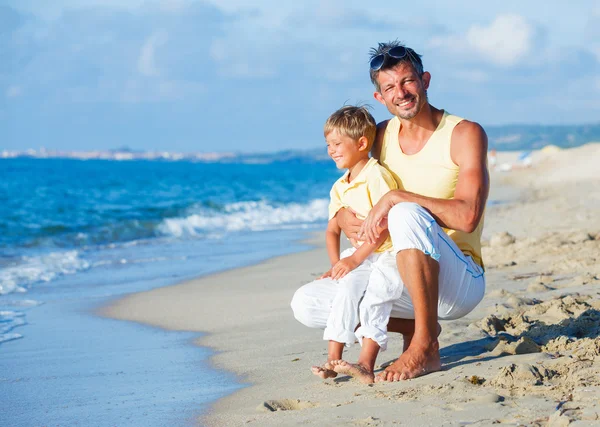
[{"x": 430, "y": 172}]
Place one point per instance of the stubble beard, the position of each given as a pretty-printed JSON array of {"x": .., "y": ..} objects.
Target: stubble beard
[{"x": 411, "y": 114}]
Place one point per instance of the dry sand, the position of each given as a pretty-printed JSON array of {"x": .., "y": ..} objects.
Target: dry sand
[{"x": 528, "y": 355}]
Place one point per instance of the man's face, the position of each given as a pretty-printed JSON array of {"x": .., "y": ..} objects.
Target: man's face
[{"x": 402, "y": 90}]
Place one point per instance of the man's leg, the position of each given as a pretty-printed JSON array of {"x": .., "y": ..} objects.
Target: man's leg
[
  {"x": 406, "y": 327},
  {"x": 419, "y": 273},
  {"x": 441, "y": 283}
]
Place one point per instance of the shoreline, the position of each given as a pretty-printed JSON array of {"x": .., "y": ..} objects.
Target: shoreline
[{"x": 273, "y": 367}]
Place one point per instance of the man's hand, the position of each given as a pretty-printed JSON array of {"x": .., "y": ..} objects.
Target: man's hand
[
  {"x": 376, "y": 221},
  {"x": 343, "y": 267},
  {"x": 349, "y": 223}
]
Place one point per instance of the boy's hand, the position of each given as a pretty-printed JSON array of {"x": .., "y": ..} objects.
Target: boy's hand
[
  {"x": 343, "y": 267},
  {"x": 326, "y": 274}
]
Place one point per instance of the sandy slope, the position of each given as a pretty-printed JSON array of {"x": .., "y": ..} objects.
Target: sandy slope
[{"x": 529, "y": 354}]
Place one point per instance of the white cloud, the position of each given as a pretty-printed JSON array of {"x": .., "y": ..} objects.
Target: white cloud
[
  {"x": 505, "y": 41},
  {"x": 146, "y": 60},
  {"x": 14, "y": 91}
]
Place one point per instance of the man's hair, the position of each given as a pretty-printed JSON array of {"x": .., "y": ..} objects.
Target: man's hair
[
  {"x": 353, "y": 122},
  {"x": 411, "y": 57}
]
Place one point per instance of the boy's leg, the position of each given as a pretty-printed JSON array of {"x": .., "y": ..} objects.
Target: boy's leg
[
  {"x": 343, "y": 318},
  {"x": 334, "y": 352},
  {"x": 363, "y": 370},
  {"x": 312, "y": 302},
  {"x": 384, "y": 287}
]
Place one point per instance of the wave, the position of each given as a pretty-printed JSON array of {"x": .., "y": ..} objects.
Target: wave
[
  {"x": 43, "y": 268},
  {"x": 252, "y": 216},
  {"x": 19, "y": 272},
  {"x": 8, "y": 321}
]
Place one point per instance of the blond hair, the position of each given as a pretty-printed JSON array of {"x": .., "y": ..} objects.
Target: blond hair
[{"x": 353, "y": 122}]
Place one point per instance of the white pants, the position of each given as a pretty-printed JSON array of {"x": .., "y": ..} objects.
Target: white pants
[
  {"x": 343, "y": 315},
  {"x": 461, "y": 280}
]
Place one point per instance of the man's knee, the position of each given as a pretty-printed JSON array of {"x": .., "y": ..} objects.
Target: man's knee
[
  {"x": 408, "y": 217},
  {"x": 410, "y": 227}
]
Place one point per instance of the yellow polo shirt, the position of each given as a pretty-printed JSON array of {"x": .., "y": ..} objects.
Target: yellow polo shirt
[{"x": 360, "y": 195}]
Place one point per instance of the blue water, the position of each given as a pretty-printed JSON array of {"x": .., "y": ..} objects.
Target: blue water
[{"x": 77, "y": 234}]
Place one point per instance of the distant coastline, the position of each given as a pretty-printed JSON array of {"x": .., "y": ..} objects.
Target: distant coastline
[{"x": 501, "y": 138}]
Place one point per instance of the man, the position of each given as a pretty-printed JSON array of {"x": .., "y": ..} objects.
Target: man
[{"x": 435, "y": 219}]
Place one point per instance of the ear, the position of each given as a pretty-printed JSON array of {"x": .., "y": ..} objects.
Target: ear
[
  {"x": 426, "y": 78},
  {"x": 363, "y": 143},
  {"x": 378, "y": 97}
]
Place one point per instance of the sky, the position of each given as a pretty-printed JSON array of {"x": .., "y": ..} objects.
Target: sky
[{"x": 263, "y": 76}]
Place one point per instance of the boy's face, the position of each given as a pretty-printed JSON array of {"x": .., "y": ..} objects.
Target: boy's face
[{"x": 345, "y": 151}]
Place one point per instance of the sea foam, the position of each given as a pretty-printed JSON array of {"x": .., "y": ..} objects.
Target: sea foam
[
  {"x": 253, "y": 216},
  {"x": 44, "y": 268}
]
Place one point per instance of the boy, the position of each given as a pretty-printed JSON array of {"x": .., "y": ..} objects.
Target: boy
[{"x": 349, "y": 133}]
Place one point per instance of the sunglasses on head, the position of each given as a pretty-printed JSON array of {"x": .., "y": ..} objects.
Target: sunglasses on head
[{"x": 397, "y": 52}]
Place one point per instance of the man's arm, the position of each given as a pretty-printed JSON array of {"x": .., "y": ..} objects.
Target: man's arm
[{"x": 469, "y": 151}]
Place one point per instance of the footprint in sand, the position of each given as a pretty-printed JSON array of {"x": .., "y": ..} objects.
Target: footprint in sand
[
  {"x": 539, "y": 287},
  {"x": 285, "y": 405}
]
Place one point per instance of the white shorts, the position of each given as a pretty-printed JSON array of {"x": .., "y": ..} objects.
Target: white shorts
[{"x": 461, "y": 280}]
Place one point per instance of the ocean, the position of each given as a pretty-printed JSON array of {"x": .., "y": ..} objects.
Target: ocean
[{"x": 75, "y": 235}]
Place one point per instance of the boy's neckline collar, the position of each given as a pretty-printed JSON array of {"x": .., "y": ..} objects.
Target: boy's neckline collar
[{"x": 361, "y": 175}]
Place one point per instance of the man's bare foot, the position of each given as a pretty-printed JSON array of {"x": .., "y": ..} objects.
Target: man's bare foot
[
  {"x": 354, "y": 370},
  {"x": 414, "y": 362},
  {"x": 406, "y": 338},
  {"x": 325, "y": 371}
]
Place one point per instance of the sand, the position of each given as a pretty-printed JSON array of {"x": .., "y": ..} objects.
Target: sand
[{"x": 527, "y": 355}]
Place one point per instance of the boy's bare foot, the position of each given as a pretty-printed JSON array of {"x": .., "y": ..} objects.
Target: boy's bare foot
[
  {"x": 325, "y": 371},
  {"x": 354, "y": 370}
]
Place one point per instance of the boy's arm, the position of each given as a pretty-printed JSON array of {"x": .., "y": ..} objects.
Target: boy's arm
[
  {"x": 346, "y": 265},
  {"x": 332, "y": 241},
  {"x": 332, "y": 244}
]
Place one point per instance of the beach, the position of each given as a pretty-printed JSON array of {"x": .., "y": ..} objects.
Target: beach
[{"x": 527, "y": 355}]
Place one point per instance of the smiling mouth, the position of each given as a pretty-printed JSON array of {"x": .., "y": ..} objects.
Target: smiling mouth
[{"x": 405, "y": 103}]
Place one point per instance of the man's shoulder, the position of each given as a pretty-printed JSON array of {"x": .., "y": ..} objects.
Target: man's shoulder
[
  {"x": 382, "y": 125},
  {"x": 377, "y": 144},
  {"x": 469, "y": 140},
  {"x": 467, "y": 128}
]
